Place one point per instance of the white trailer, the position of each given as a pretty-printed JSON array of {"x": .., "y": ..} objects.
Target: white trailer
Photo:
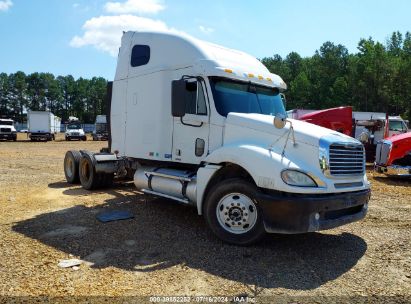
[
  {"x": 206, "y": 126},
  {"x": 57, "y": 125},
  {"x": 42, "y": 125}
]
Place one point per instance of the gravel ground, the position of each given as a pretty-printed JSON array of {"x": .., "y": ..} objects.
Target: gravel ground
[{"x": 168, "y": 250}]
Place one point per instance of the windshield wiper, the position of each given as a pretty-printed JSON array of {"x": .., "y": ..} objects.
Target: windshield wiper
[{"x": 253, "y": 89}]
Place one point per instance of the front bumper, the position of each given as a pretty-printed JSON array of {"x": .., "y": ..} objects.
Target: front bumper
[
  {"x": 309, "y": 213},
  {"x": 40, "y": 135},
  {"x": 394, "y": 170},
  {"x": 100, "y": 136},
  {"x": 69, "y": 136},
  {"x": 8, "y": 136}
]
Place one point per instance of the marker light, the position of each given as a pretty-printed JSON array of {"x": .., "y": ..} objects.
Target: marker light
[
  {"x": 251, "y": 75},
  {"x": 228, "y": 71},
  {"x": 260, "y": 77},
  {"x": 269, "y": 79}
]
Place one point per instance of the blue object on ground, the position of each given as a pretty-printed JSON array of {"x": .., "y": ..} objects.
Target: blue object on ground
[{"x": 114, "y": 215}]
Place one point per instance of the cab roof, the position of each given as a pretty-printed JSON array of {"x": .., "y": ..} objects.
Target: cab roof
[{"x": 178, "y": 50}]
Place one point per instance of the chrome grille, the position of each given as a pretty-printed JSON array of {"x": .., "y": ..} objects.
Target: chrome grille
[
  {"x": 5, "y": 130},
  {"x": 383, "y": 150},
  {"x": 346, "y": 159}
]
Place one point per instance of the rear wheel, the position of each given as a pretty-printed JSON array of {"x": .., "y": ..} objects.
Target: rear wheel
[
  {"x": 71, "y": 166},
  {"x": 232, "y": 212},
  {"x": 88, "y": 177}
]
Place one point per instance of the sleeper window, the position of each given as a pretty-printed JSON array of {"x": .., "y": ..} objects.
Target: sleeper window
[{"x": 140, "y": 55}]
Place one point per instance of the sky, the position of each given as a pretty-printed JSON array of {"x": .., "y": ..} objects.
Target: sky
[{"x": 82, "y": 37}]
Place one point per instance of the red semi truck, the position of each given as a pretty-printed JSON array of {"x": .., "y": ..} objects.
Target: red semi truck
[
  {"x": 370, "y": 128},
  {"x": 393, "y": 156},
  {"x": 338, "y": 119}
]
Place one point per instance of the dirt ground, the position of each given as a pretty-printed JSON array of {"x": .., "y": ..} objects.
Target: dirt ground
[{"x": 168, "y": 250}]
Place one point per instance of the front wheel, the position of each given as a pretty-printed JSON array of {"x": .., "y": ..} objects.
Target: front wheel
[{"x": 232, "y": 212}]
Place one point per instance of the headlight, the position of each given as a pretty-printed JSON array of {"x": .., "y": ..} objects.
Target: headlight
[{"x": 297, "y": 178}]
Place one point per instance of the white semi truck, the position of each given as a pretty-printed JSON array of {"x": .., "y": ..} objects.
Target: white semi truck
[
  {"x": 7, "y": 129},
  {"x": 206, "y": 126},
  {"x": 100, "y": 128},
  {"x": 42, "y": 125},
  {"x": 74, "y": 130}
]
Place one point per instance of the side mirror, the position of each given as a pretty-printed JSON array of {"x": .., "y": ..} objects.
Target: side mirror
[
  {"x": 284, "y": 100},
  {"x": 178, "y": 98},
  {"x": 279, "y": 121}
]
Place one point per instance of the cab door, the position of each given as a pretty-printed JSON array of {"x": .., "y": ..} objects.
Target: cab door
[{"x": 191, "y": 132}]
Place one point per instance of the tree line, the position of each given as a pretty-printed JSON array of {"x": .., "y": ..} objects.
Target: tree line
[
  {"x": 377, "y": 78},
  {"x": 63, "y": 95}
]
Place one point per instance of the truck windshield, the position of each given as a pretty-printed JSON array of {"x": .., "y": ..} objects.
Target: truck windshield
[
  {"x": 101, "y": 127},
  {"x": 6, "y": 122},
  {"x": 245, "y": 97},
  {"x": 74, "y": 126},
  {"x": 396, "y": 125}
]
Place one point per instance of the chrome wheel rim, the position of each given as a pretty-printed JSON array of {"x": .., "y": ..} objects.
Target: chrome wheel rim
[{"x": 236, "y": 213}]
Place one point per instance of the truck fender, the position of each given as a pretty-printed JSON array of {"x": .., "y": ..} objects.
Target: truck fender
[
  {"x": 262, "y": 165},
  {"x": 204, "y": 175}
]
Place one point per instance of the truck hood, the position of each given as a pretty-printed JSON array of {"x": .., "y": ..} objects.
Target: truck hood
[
  {"x": 304, "y": 132},
  {"x": 400, "y": 146},
  {"x": 75, "y": 131},
  {"x": 13, "y": 129}
]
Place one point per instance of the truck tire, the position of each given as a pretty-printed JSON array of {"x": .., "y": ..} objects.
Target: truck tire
[
  {"x": 89, "y": 179},
  {"x": 84, "y": 138},
  {"x": 71, "y": 166},
  {"x": 232, "y": 212}
]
